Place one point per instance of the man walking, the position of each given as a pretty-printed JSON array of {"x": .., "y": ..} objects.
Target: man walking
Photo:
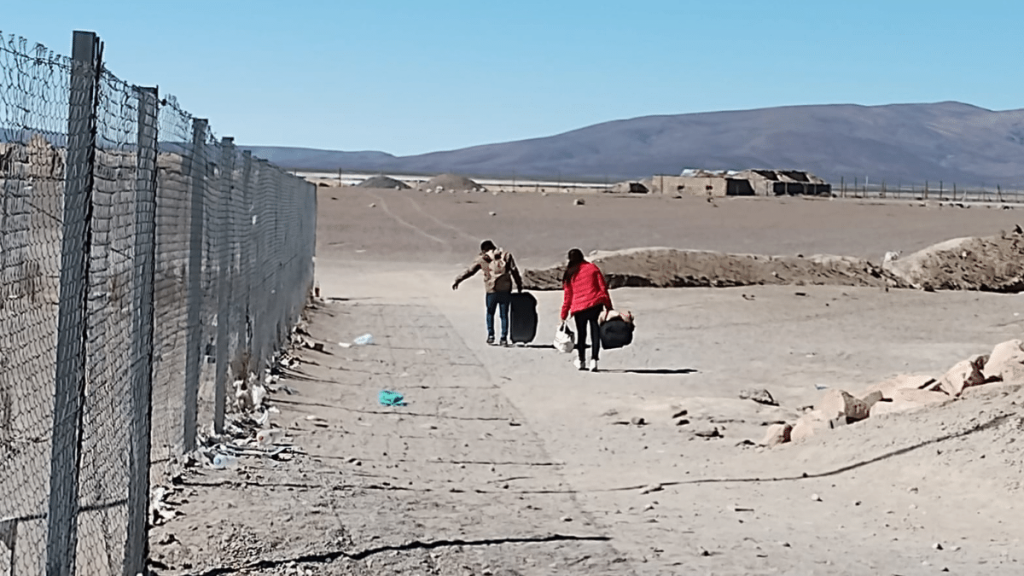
[{"x": 500, "y": 271}]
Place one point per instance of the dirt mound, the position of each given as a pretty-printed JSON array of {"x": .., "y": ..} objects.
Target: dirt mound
[
  {"x": 672, "y": 268},
  {"x": 383, "y": 182},
  {"x": 450, "y": 182},
  {"x": 992, "y": 264},
  {"x": 989, "y": 264}
]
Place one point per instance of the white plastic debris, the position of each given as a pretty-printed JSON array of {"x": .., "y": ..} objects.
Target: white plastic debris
[
  {"x": 364, "y": 340},
  {"x": 258, "y": 394},
  {"x": 265, "y": 438},
  {"x": 222, "y": 461}
]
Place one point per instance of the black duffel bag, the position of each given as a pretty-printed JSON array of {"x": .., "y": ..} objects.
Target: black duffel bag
[{"x": 616, "y": 333}]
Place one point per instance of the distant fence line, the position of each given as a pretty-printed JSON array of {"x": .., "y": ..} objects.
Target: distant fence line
[
  {"x": 144, "y": 266},
  {"x": 926, "y": 190}
]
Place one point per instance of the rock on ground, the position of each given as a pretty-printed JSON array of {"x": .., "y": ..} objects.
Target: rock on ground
[
  {"x": 837, "y": 404},
  {"x": 1007, "y": 362},
  {"x": 776, "y": 434},
  {"x": 808, "y": 425},
  {"x": 888, "y": 388},
  {"x": 907, "y": 399},
  {"x": 964, "y": 374}
]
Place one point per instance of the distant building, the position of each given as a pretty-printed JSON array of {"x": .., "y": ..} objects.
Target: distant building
[{"x": 739, "y": 183}]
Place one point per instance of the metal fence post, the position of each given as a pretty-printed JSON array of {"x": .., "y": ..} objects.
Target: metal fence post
[
  {"x": 227, "y": 167},
  {"x": 245, "y": 268},
  {"x": 142, "y": 333},
  {"x": 69, "y": 394},
  {"x": 194, "y": 295}
]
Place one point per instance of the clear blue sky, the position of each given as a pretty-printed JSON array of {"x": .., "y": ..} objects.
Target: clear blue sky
[{"x": 411, "y": 76}]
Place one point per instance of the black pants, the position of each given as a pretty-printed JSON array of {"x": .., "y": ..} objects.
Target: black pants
[{"x": 586, "y": 318}]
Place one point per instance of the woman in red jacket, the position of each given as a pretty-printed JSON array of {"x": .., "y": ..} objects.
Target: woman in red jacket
[{"x": 586, "y": 296}]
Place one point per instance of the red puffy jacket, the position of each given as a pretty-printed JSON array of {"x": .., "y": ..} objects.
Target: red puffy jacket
[{"x": 586, "y": 289}]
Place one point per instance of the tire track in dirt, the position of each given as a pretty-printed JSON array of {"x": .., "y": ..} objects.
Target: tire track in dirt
[
  {"x": 413, "y": 227},
  {"x": 441, "y": 223}
]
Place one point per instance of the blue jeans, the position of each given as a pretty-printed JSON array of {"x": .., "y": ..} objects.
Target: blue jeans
[{"x": 498, "y": 300}]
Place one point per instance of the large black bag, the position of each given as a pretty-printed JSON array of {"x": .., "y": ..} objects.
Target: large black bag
[
  {"x": 616, "y": 333},
  {"x": 523, "y": 318}
]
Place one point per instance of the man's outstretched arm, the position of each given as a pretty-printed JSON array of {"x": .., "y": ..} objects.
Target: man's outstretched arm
[{"x": 466, "y": 274}]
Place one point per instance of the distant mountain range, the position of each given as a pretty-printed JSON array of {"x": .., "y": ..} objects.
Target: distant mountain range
[{"x": 947, "y": 141}]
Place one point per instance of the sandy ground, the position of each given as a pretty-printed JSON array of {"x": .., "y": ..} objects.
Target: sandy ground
[{"x": 508, "y": 461}]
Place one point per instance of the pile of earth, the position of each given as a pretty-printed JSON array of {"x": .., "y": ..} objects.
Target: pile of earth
[
  {"x": 672, "y": 268},
  {"x": 383, "y": 182},
  {"x": 450, "y": 183},
  {"x": 991, "y": 264}
]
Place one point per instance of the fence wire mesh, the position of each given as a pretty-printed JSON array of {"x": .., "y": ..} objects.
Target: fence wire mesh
[
  {"x": 146, "y": 268},
  {"x": 34, "y": 95}
]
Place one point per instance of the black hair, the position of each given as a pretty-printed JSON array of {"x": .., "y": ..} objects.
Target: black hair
[
  {"x": 573, "y": 266},
  {"x": 487, "y": 246}
]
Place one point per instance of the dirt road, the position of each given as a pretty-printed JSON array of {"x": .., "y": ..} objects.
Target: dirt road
[{"x": 508, "y": 461}]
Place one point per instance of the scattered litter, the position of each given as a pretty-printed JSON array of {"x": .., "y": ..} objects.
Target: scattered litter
[
  {"x": 579, "y": 202},
  {"x": 815, "y": 498},
  {"x": 266, "y": 438},
  {"x": 492, "y": 213},
  {"x": 258, "y": 394},
  {"x": 222, "y": 461},
  {"x": 637, "y": 421},
  {"x": 263, "y": 418},
  {"x": 389, "y": 398},
  {"x": 820, "y": 387},
  {"x": 364, "y": 340},
  {"x": 345, "y": 344},
  {"x": 160, "y": 512},
  {"x": 315, "y": 418}
]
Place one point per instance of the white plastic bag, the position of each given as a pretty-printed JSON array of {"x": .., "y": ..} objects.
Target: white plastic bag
[{"x": 565, "y": 340}]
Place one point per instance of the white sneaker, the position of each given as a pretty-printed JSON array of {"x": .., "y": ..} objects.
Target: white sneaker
[
  {"x": 577, "y": 363},
  {"x": 593, "y": 366}
]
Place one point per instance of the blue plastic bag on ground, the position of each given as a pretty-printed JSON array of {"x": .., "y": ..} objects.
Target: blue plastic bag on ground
[{"x": 389, "y": 398}]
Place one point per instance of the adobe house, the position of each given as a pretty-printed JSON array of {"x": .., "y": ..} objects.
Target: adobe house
[
  {"x": 743, "y": 183},
  {"x": 702, "y": 183},
  {"x": 786, "y": 183}
]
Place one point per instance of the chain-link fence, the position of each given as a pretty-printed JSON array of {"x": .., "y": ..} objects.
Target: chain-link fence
[{"x": 145, "y": 267}]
